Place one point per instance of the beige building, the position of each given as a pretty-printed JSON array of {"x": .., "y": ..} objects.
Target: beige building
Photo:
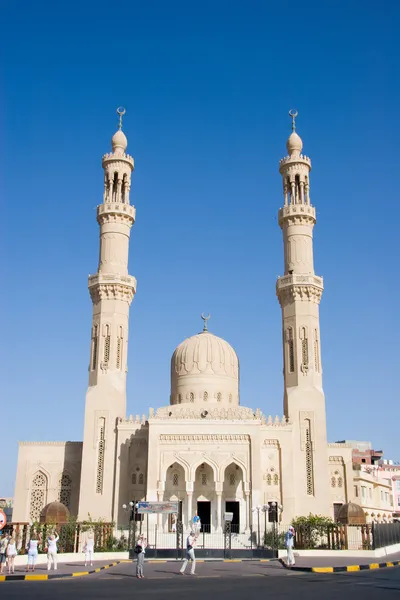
[
  {"x": 373, "y": 491},
  {"x": 203, "y": 448}
]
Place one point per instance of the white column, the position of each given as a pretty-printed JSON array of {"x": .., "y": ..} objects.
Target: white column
[
  {"x": 247, "y": 504},
  {"x": 219, "y": 511},
  {"x": 189, "y": 508}
]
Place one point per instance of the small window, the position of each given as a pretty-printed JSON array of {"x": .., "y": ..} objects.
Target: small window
[
  {"x": 230, "y": 397},
  {"x": 204, "y": 479},
  {"x": 269, "y": 479},
  {"x": 356, "y": 491},
  {"x": 276, "y": 479},
  {"x": 141, "y": 479},
  {"x": 175, "y": 479},
  {"x": 340, "y": 482},
  {"x": 219, "y": 396},
  {"x": 205, "y": 396},
  {"x": 134, "y": 478},
  {"x": 179, "y": 399},
  {"x": 191, "y": 397},
  {"x": 232, "y": 479}
]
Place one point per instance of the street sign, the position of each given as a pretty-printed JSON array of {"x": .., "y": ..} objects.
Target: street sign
[
  {"x": 3, "y": 519},
  {"x": 165, "y": 508}
]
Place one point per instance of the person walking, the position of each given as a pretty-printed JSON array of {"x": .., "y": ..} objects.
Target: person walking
[
  {"x": 11, "y": 554},
  {"x": 190, "y": 555},
  {"x": 52, "y": 551},
  {"x": 140, "y": 550},
  {"x": 289, "y": 543},
  {"x": 3, "y": 551},
  {"x": 89, "y": 550},
  {"x": 32, "y": 548}
]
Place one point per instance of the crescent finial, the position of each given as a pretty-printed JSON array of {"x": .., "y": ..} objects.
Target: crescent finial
[{"x": 205, "y": 319}]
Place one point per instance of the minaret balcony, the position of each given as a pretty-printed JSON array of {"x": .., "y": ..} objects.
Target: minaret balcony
[
  {"x": 125, "y": 211},
  {"x": 290, "y": 288},
  {"x": 111, "y": 286},
  {"x": 124, "y": 158}
]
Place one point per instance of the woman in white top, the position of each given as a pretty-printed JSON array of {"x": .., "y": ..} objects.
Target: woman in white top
[
  {"x": 52, "y": 551},
  {"x": 32, "y": 547},
  {"x": 89, "y": 549},
  {"x": 11, "y": 554},
  {"x": 140, "y": 550}
]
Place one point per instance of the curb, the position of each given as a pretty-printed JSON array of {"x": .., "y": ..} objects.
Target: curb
[
  {"x": 55, "y": 575},
  {"x": 158, "y": 561},
  {"x": 347, "y": 569}
]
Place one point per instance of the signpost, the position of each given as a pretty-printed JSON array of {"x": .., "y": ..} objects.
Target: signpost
[
  {"x": 151, "y": 508},
  {"x": 3, "y": 519}
]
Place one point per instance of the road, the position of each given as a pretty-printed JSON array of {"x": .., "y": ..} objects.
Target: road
[{"x": 238, "y": 580}]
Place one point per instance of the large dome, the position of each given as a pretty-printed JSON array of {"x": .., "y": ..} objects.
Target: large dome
[{"x": 205, "y": 370}]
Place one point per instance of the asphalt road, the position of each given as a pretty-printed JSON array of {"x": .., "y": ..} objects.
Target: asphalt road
[{"x": 236, "y": 580}]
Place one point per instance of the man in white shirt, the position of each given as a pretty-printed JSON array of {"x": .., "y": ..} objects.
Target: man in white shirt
[{"x": 190, "y": 544}]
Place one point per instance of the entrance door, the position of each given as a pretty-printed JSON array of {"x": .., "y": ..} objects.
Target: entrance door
[
  {"x": 204, "y": 512},
  {"x": 233, "y": 507}
]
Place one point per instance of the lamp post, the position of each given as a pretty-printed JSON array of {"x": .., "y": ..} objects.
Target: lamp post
[
  {"x": 277, "y": 509},
  {"x": 130, "y": 508},
  {"x": 258, "y": 509}
]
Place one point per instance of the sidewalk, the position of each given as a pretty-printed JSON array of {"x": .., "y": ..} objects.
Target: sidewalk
[
  {"x": 64, "y": 569},
  {"x": 319, "y": 564}
]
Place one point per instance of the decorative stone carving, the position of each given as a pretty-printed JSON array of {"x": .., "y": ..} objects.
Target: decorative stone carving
[
  {"x": 237, "y": 413},
  {"x": 305, "y": 293},
  {"x": 199, "y": 438}
]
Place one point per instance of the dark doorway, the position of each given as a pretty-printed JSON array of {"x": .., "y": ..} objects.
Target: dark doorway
[
  {"x": 233, "y": 507},
  {"x": 204, "y": 512}
]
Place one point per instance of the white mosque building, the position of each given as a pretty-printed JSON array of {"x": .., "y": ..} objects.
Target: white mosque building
[{"x": 203, "y": 449}]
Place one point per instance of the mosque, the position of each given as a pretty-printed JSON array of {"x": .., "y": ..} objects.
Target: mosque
[{"x": 204, "y": 450}]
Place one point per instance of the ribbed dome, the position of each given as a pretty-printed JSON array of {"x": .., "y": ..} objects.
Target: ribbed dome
[
  {"x": 351, "y": 514},
  {"x": 119, "y": 142},
  {"x": 294, "y": 144},
  {"x": 204, "y": 368},
  {"x": 55, "y": 512}
]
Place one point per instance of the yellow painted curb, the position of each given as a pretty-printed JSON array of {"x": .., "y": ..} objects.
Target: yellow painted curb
[
  {"x": 36, "y": 577},
  {"x": 353, "y": 568},
  {"x": 322, "y": 569},
  {"x": 374, "y": 566},
  {"x": 80, "y": 573}
]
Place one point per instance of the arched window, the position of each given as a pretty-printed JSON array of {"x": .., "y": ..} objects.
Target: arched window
[
  {"x": 232, "y": 479},
  {"x": 276, "y": 479},
  {"x": 309, "y": 459},
  {"x": 95, "y": 343},
  {"x": 100, "y": 456},
  {"x": 191, "y": 397},
  {"x": 65, "y": 490},
  {"x": 333, "y": 482},
  {"x": 179, "y": 398},
  {"x": 38, "y": 495},
  {"x": 290, "y": 351},
  {"x": 141, "y": 479},
  {"x": 204, "y": 479},
  {"x": 219, "y": 396},
  {"x": 340, "y": 482},
  {"x": 134, "y": 478},
  {"x": 205, "y": 396},
  {"x": 175, "y": 479},
  {"x": 316, "y": 351},
  {"x": 304, "y": 349},
  {"x": 119, "y": 348},
  {"x": 269, "y": 479},
  {"x": 107, "y": 342}
]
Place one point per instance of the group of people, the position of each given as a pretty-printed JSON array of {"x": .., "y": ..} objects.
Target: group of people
[{"x": 8, "y": 551}]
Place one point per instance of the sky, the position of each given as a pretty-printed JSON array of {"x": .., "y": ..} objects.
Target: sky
[{"x": 207, "y": 88}]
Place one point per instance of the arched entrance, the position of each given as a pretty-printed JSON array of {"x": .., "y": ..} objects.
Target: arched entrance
[
  {"x": 234, "y": 496},
  {"x": 175, "y": 489},
  {"x": 204, "y": 492}
]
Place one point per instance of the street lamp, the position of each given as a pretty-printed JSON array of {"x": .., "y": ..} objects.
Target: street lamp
[
  {"x": 130, "y": 508},
  {"x": 257, "y": 509}
]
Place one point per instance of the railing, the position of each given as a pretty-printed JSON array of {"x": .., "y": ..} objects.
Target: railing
[{"x": 385, "y": 534}]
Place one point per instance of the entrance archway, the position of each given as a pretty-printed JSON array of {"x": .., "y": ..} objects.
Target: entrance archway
[
  {"x": 203, "y": 493},
  {"x": 233, "y": 496}
]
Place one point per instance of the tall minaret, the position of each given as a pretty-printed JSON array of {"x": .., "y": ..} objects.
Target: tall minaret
[
  {"x": 299, "y": 292},
  {"x": 112, "y": 290}
]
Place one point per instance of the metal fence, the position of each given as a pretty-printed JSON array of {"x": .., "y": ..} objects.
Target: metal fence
[{"x": 385, "y": 534}]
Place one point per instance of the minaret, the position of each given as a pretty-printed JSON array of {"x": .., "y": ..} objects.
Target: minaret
[
  {"x": 299, "y": 292},
  {"x": 112, "y": 290}
]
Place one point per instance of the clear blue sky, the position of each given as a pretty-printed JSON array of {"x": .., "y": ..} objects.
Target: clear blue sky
[{"x": 207, "y": 87}]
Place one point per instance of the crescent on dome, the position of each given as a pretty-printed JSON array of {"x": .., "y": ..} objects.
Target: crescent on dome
[{"x": 205, "y": 319}]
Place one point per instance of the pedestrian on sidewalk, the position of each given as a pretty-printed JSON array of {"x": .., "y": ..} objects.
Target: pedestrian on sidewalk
[
  {"x": 190, "y": 544},
  {"x": 140, "y": 550},
  {"x": 52, "y": 551},
  {"x": 32, "y": 547},
  {"x": 289, "y": 543},
  {"x": 3, "y": 551},
  {"x": 11, "y": 554},
  {"x": 89, "y": 550}
]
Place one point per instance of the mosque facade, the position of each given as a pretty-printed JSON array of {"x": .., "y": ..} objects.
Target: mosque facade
[{"x": 204, "y": 449}]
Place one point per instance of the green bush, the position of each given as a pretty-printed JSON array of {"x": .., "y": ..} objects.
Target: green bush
[{"x": 312, "y": 531}]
